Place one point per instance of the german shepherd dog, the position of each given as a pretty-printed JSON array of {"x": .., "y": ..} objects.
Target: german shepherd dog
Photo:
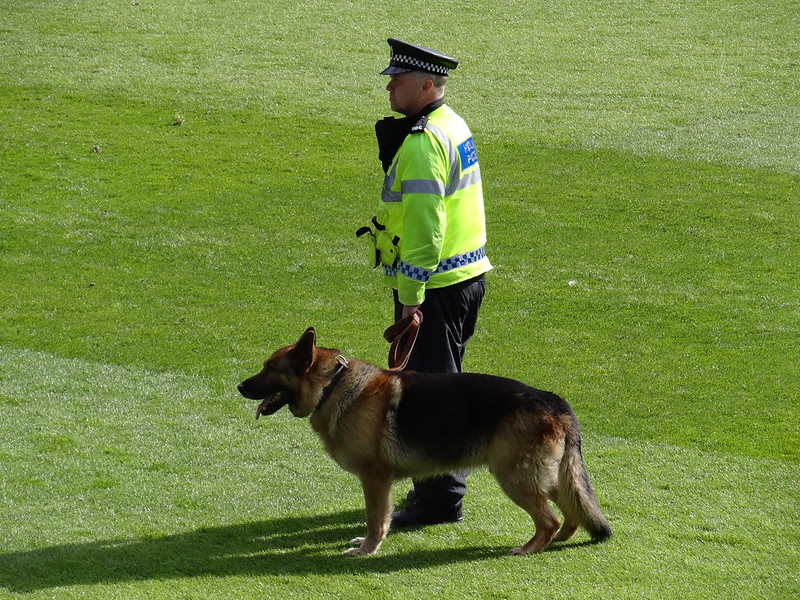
[{"x": 387, "y": 425}]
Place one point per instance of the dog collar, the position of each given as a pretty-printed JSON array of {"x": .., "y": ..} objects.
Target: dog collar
[{"x": 326, "y": 392}]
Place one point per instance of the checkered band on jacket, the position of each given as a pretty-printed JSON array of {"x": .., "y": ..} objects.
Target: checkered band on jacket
[{"x": 447, "y": 264}]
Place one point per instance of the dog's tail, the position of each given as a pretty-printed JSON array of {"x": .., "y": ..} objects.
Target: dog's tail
[{"x": 575, "y": 495}]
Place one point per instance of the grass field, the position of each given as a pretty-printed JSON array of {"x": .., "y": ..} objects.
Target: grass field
[{"x": 179, "y": 187}]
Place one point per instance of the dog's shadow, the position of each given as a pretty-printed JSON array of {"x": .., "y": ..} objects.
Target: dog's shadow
[{"x": 290, "y": 546}]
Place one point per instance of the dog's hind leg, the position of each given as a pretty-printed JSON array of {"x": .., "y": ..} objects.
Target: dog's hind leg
[
  {"x": 571, "y": 521},
  {"x": 529, "y": 482},
  {"x": 547, "y": 523},
  {"x": 378, "y": 500},
  {"x": 570, "y": 525}
]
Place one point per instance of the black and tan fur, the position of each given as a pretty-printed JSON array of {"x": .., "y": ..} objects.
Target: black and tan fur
[{"x": 383, "y": 426}]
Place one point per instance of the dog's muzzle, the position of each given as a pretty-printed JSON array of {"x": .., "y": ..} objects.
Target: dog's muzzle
[{"x": 271, "y": 402}]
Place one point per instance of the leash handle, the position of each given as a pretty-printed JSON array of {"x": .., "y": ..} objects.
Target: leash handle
[{"x": 402, "y": 335}]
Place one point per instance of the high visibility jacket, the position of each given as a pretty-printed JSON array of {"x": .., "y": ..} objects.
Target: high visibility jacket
[{"x": 430, "y": 227}]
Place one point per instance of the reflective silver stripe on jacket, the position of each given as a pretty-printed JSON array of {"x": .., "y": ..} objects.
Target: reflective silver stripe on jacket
[
  {"x": 447, "y": 264},
  {"x": 425, "y": 186},
  {"x": 387, "y": 195},
  {"x": 422, "y": 186},
  {"x": 454, "y": 183}
]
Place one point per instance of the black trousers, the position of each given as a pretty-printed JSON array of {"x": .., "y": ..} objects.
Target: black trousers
[{"x": 449, "y": 318}]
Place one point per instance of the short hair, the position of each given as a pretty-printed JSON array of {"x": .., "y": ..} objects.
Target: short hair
[{"x": 439, "y": 81}]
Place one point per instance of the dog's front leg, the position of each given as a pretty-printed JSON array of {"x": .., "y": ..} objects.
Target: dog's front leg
[{"x": 378, "y": 500}]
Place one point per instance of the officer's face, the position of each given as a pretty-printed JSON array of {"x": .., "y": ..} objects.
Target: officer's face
[{"x": 407, "y": 93}]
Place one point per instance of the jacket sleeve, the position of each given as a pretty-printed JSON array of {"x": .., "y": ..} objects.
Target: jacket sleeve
[{"x": 422, "y": 174}]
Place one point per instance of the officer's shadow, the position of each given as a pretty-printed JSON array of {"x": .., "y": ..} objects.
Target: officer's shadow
[{"x": 290, "y": 546}]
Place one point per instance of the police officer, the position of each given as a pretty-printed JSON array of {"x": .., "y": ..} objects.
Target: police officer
[{"x": 430, "y": 236}]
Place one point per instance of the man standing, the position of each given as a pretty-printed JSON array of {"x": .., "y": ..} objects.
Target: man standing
[{"x": 430, "y": 236}]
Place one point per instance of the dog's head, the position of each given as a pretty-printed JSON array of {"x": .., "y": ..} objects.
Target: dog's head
[{"x": 284, "y": 379}]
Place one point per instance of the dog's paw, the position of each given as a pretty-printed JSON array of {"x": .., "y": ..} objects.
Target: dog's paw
[
  {"x": 356, "y": 547},
  {"x": 360, "y": 547}
]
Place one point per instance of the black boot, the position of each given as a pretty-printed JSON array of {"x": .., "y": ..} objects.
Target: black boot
[
  {"x": 432, "y": 501},
  {"x": 416, "y": 515}
]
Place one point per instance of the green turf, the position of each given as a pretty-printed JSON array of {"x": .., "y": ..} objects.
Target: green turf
[
  {"x": 154, "y": 484},
  {"x": 179, "y": 187}
]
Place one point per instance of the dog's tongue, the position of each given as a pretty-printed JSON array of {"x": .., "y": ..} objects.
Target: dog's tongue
[{"x": 271, "y": 404}]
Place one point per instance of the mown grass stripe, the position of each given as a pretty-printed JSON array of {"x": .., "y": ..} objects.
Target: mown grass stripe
[{"x": 150, "y": 478}]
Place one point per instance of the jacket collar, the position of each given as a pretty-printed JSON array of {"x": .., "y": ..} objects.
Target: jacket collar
[{"x": 391, "y": 132}]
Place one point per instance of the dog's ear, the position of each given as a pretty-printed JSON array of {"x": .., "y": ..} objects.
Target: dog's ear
[{"x": 303, "y": 353}]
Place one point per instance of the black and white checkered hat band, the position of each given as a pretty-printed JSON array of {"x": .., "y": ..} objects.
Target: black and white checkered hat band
[{"x": 405, "y": 61}]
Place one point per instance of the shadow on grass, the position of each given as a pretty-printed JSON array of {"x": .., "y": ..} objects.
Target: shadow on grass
[{"x": 292, "y": 546}]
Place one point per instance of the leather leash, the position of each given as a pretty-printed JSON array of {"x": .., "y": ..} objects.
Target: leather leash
[{"x": 402, "y": 335}]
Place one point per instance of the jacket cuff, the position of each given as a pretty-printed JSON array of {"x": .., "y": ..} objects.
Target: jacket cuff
[{"x": 410, "y": 292}]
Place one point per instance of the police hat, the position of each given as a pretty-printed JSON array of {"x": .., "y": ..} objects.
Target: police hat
[{"x": 408, "y": 57}]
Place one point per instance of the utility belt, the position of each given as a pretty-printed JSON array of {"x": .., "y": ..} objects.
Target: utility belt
[
  {"x": 383, "y": 251},
  {"x": 383, "y": 247}
]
